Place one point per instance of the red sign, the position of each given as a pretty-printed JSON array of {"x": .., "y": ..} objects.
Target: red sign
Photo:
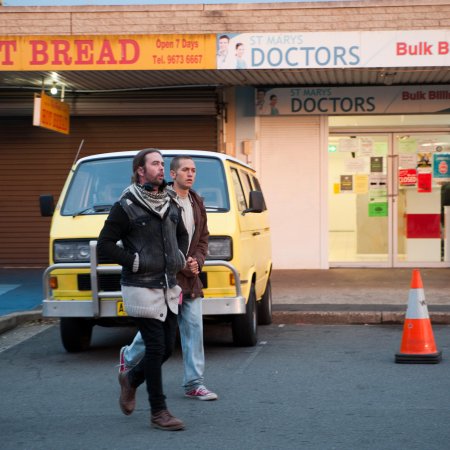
[
  {"x": 423, "y": 226},
  {"x": 407, "y": 177},
  {"x": 424, "y": 182}
]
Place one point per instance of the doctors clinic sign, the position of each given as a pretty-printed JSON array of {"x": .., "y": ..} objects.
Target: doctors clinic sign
[
  {"x": 353, "y": 100},
  {"x": 134, "y": 52}
]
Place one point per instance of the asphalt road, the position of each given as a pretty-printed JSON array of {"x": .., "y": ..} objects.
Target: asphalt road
[{"x": 302, "y": 387}]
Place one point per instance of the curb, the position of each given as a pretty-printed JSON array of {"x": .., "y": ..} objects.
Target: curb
[
  {"x": 12, "y": 320},
  {"x": 351, "y": 317}
]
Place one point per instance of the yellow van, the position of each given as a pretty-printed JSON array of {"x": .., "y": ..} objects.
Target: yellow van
[{"x": 236, "y": 276}]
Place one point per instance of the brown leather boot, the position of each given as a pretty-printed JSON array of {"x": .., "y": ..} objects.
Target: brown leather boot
[
  {"x": 127, "y": 399},
  {"x": 165, "y": 421}
]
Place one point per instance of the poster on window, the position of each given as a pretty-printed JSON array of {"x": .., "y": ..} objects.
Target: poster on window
[
  {"x": 361, "y": 183},
  {"x": 424, "y": 160},
  {"x": 378, "y": 209},
  {"x": 441, "y": 166},
  {"x": 376, "y": 164},
  {"x": 407, "y": 177},
  {"x": 424, "y": 182},
  {"x": 346, "y": 183}
]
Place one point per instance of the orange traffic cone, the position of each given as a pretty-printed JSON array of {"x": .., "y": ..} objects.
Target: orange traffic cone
[{"x": 418, "y": 346}]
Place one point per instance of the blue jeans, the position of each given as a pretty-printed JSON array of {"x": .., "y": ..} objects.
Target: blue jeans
[{"x": 190, "y": 322}]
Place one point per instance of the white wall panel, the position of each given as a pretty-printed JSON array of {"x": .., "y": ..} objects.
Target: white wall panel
[{"x": 290, "y": 173}]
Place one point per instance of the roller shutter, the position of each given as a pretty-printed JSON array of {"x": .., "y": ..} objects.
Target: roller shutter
[
  {"x": 291, "y": 146},
  {"x": 35, "y": 161}
]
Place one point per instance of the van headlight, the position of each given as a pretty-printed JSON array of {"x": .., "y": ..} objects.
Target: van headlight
[
  {"x": 219, "y": 247},
  {"x": 71, "y": 251}
]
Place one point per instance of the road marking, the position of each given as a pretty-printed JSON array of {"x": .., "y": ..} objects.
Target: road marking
[
  {"x": 4, "y": 288},
  {"x": 20, "y": 334},
  {"x": 249, "y": 360}
]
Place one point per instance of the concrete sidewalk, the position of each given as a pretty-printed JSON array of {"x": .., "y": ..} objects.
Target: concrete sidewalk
[
  {"x": 334, "y": 296},
  {"x": 356, "y": 296}
]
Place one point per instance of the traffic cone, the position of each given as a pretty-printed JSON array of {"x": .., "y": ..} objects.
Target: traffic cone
[{"x": 418, "y": 346}]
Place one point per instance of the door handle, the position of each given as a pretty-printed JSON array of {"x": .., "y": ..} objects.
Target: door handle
[
  {"x": 256, "y": 233},
  {"x": 395, "y": 166}
]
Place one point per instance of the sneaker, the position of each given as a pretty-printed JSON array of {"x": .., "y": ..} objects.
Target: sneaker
[
  {"x": 201, "y": 393},
  {"x": 122, "y": 365},
  {"x": 127, "y": 399},
  {"x": 165, "y": 421}
]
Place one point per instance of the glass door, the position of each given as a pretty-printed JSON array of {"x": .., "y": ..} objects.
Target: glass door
[
  {"x": 421, "y": 197},
  {"x": 358, "y": 200},
  {"x": 389, "y": 200}
]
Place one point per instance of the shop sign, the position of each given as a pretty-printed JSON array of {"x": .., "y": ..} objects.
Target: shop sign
[
  {"x": 51, "y": 113},
  {"x": 143, "y": 2},
  {"x": 325, "y": 50},
  {"x": 353, "y": 100},
  {"x": 134, "y": 52}
]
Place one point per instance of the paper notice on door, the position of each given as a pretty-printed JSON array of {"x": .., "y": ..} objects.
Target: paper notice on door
[
  {"x": 407, "y": 161},
  {"x": 376, "y": 164},
  {"x": 346, "y": 183},
  {"x": 354, "y": 165},
  {"x": 366, "y": 147},
  {"x": 361, "y": 184},
  {"x": 377, "y": 180},
  {"x": 349, "y": 145}
]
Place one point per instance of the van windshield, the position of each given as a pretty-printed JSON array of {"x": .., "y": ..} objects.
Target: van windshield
[{"x": 98, "y": 184}]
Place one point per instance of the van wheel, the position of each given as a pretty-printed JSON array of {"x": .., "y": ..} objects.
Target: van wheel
[
  {"x": 245, "y": 326},
  {"x": 75, "y": 334},
  {"x": 265, "y": 306}
]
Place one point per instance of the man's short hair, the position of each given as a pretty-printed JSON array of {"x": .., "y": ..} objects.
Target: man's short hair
[
  {"x": 139, "y": 161},
  {"x": 176, "y": 162},
  {"x": 224, "y": 36}
]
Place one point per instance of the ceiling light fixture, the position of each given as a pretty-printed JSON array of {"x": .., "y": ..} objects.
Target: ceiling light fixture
[
  {"x": 54, "y": 89},
  {"x": 388, "y": 77}
]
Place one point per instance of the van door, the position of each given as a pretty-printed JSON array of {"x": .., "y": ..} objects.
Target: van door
[
  {"x": 264, "y": 244},
  {"x": 253, "y": 227}
]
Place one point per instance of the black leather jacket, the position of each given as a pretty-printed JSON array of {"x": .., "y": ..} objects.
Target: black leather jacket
[{"x": 162, "y": 244}]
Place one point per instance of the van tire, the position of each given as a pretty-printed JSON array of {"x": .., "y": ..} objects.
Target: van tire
[
  {"x": 265, "y": 306},
  {"x": 76, "y": 334},
  {"x": 245, "y": 326}
]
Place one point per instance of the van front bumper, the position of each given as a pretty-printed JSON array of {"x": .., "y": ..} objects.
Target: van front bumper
[
  {"x": 105, "y": 304},
  {"x": 108, "y": 308}
]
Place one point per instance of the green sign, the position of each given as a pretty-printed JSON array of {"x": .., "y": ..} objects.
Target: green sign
[
  {"x": 332, "y": 148},
  {"x": 378, "y": 209}
]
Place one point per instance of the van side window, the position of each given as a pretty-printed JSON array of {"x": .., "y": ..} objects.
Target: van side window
[
  {"x": 257, "y": 187},
  {"x": 247, "y": 185},
  {"x": 240, "y": 197}
]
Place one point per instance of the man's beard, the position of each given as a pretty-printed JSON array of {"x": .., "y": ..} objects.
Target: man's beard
[{"x": 156, "y": 181}]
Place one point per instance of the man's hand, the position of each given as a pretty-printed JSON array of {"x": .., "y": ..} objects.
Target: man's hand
[{"x": 192, "y": 265}]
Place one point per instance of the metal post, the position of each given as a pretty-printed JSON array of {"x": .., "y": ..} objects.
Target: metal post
[{"x": 94, "y": 279}]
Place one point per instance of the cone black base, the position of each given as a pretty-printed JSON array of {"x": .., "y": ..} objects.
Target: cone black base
[{"x": 406, "y": 358}]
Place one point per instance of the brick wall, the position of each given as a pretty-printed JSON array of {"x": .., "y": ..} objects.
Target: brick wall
[{"x": 273, "y": 17}]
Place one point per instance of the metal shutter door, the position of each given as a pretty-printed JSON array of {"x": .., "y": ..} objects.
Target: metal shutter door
[{"x": 35, "y": 161}]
